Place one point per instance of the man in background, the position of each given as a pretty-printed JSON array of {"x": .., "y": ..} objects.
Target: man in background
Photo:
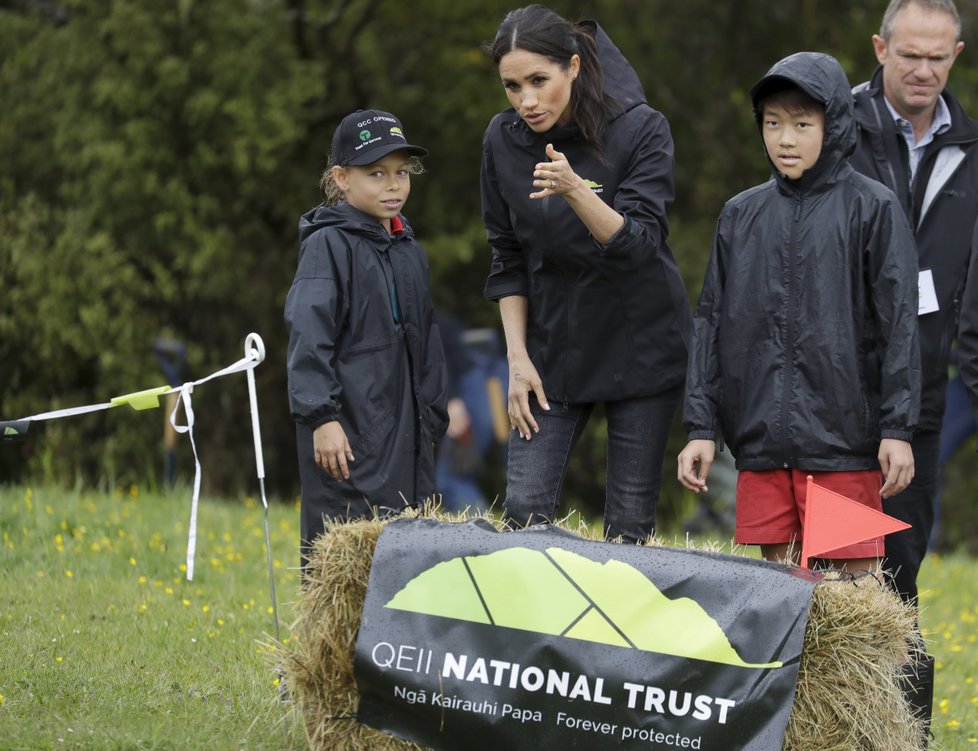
[{"x": 915, "y": 138}]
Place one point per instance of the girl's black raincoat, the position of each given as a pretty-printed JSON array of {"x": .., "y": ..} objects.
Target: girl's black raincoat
[
  {"x": 363, "y": 350},
  {"x": 805, "y": 350}
]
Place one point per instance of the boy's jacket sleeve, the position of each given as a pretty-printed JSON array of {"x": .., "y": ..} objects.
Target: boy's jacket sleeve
[
  {"x": 314, "y": 311},
  {"x": 893, "y": 267}
]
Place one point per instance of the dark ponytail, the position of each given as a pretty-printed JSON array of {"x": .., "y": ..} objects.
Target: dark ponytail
[{"x": 539, "y": 30}]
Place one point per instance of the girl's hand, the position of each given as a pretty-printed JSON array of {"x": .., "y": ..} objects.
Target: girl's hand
[
  {"x": 523, "y": 378},
  {"x": 332, "y": 450}
]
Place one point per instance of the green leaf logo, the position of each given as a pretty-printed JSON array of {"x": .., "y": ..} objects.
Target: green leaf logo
[
  {"x": 10, "y": 431},
  {"x": 364, "y": 135},
  {"x": 561, "y": 593}
]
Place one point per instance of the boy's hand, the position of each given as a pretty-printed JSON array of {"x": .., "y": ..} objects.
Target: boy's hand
[
  {"x": 524, "y": 378},
  {"x": 896, "y": 461},
  {"x": 699, "y": 452},
  {"x": 332, "y": 450}
]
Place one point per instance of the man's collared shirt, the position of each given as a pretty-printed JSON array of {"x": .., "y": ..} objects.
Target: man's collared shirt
[{"x": 940, "y": 123}]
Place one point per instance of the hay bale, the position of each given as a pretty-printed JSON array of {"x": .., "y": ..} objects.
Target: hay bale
[
  {"x": 848, "y": 698},
  {"x": 319, "y": 668},
  {"x": 859, "y": 637}
]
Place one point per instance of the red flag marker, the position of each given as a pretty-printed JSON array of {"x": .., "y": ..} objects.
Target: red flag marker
[{"x": 833, "y": 521}]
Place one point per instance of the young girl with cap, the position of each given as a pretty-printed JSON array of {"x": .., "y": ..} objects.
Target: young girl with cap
[{"x": 367, "y": 378}]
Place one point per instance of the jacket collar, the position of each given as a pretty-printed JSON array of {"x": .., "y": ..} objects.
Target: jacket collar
[
  {"x": 349, "y": 219},
  {"x": 369, "y": 225},
  {"x": 869, "y": 95}
]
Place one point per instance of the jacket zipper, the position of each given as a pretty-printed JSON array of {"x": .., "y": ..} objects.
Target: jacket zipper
[
  {"x": 419, "y": 408},
  {"x": 388, "y": 268},
  {"x": 565, "y": 346},
  {"x": 789, "y": 334}
]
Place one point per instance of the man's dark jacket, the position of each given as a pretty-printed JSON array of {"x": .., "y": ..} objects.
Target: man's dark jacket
[
  {"x": 805, "y": 336},
  {"x": 942, "y": 206},
  {"x": 349, "y": 360},
  {"x": 605, "y": 322},
  {"x": 967, "y": 359}
]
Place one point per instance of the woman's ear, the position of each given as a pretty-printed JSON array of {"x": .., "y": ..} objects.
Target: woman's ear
[
  {"x": 341, "y": 178},
  {"x": 575, "y": 66}
]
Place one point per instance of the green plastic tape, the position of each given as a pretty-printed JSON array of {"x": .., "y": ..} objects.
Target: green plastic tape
[{"x": 139, "y": 400}]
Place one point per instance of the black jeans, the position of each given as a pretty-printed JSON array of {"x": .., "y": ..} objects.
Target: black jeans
[
  {"x": 905, "y": 550},
  {"x": 638, "y": 431},
  {"x": 905, "y": 553}
]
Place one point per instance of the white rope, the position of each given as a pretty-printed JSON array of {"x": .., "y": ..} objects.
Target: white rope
[
  {"x": 254, "y": 354},
  {"x": 70, "y": 412},
  {"x": 185, "y": 391},
  {"x": 255, "y": 346}
]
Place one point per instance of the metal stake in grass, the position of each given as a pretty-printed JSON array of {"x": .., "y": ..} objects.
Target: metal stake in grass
[{"x": 254, "y": 344}]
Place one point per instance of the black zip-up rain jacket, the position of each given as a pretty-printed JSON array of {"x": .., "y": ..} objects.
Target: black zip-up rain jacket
[
  {"x": 942, "y": 205},
  {"x": 349, "y": 360},
  {"x": 968, "y": 328},
  {"x": 605, "y": 322},
  {"x": 805, "y": 336}
]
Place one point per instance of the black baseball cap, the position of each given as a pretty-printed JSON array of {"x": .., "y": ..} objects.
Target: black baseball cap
[{"x": 366, "y": 136}]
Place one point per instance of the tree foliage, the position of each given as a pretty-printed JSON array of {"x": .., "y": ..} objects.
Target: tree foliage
[{"x": 156, "y": 157}]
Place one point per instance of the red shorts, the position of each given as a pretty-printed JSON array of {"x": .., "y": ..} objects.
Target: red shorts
[{"x": 771, "y": 506}]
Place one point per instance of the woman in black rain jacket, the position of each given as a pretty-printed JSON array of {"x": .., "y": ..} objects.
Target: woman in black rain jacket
[{"x": 576, "y": 177}]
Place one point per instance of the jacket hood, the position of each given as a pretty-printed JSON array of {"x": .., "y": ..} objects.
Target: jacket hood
[
  {"x": 822, "y": 78},
  {"x": 345, "y": 217},
  {"x": 620, "y": 79},
  {"x": 963, "y": 128}
]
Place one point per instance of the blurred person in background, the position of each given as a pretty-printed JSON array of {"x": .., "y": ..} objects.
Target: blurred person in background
[{"x": 915, "y": 138}]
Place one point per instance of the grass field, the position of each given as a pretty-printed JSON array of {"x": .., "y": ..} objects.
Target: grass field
[{"x": 105, "y": 645}]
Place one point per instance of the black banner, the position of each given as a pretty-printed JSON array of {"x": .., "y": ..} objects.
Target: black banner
[{"x": 474, "y": 639}]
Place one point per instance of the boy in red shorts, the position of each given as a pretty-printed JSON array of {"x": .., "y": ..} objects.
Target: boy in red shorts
[{"x": 804, "y": 353}]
